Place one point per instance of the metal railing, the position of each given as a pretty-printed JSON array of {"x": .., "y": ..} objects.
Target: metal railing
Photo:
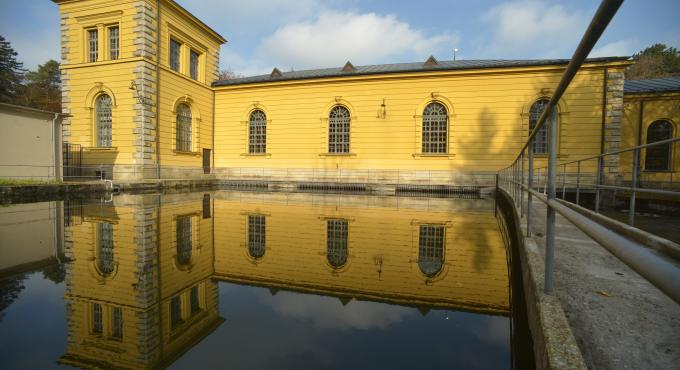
[{"x": 518, "y": 178}]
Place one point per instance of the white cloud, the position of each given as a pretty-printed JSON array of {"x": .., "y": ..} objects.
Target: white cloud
[
  {"x": 332, "y": 38},
  {"x": 530, "y": 28},
  {"x": 616, "y": 48}
]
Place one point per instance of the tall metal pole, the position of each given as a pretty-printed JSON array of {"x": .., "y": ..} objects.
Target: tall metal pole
[{"x": 550, "y": 216}]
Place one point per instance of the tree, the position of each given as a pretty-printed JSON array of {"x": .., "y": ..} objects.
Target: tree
[
  {"x": 228, "y": 74},
  {"x": 655, "y": 61},
  {"x": 43, "y": 87},
  {"x": 11, "y": 72}
]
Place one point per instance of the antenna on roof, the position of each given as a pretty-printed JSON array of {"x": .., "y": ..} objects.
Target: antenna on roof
[
  {"x": 455, "y": 50},
  {"x": 275, "y": 73},
  {"x": 349, "y": 67},
  {"x": 431, "y": 61}
]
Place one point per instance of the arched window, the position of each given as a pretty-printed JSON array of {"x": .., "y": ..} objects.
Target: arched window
[
  {"x": 103, "y": 120},
  {"x": 183, "y": 128},
  {"x": 435, "y": 128},
  {"x": 257, "y": 132},
  {"x": 336, "y": 242},
  {"x": 431, "y": 249},
  {"x": 105, "y": 248},
  {"x": 184, "y": 239},
  {"x": 540, "y": 143},
  {"x": 338, "y": 130},
  {"x": 658, "y": 158},
  {"x": 256, "y": 236}
]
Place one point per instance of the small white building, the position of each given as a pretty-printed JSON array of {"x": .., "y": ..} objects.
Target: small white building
[{"x": 30, "y": 143}]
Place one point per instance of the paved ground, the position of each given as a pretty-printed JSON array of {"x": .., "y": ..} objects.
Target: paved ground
[{"x": 620, "y": 321}]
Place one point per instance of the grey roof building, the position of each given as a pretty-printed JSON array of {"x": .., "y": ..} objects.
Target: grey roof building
[{"x": 655, "y": 85}]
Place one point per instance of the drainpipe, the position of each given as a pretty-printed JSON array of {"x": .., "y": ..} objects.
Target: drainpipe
[{"x": 158, "y": 88}]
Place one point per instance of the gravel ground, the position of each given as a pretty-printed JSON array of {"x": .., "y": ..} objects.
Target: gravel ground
[{"x": 619, "y": 320}]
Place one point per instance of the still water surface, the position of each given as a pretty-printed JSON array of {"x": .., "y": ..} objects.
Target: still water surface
[{"x": 254, "y": 281}]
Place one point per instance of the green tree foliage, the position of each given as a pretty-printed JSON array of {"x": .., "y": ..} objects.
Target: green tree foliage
[
  {"x": 43, "y": 87},
  {"x": 11, "y": 73},
  {"x": 655, "y": 61}
]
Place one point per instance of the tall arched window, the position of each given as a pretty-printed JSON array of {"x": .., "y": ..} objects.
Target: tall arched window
[
  {"x": 256, "y": 236},
  {"x": 336, "y": 242},
  {"x": 435, "y": 128},
  {"x": 338, "y": 130},
  {"x": 184, "y": 240},
  {"x": 105, "y": 248},
  {"x": 183, "y": 128},
  {"x": 658, "y": 158},
  {"x": 103, "y": 120},
  {"x": 540, "y": 144},
  {"x": 431, "y": 249},
  {"x": 257, "y": 132}
]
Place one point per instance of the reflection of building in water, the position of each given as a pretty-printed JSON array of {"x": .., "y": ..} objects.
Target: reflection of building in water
[
  {"x": 139, "y": 288},
  {"x": 439, "y": 252}
]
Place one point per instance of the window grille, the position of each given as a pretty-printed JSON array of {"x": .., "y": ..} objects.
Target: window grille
[
  {"x": 105, "y": 247},
  {"x": 184, "y": 240},
  {"x": 256, "y": 236},
  {"x": 193, "y": 64},
  {"x": 257, "y": 132},
  {"x": 104, "y": 121},
  {"x": 193, "y": 300},
  {"x": 435, "y": 129},
  {"x": 431, "y": 249},
  {"x": 338, "y": 130},
  {"x": 117, "y": 319},
  {"x": 175, "y": 312},
  {"x": 540, "y": 144},
  {"x": 336, "y": 242},
  {"x": 183, "y": 128},
  {"x": 174, "y": 54},
  {"x": 97, "y": 326},
  {"x": 92, "y": 45},
  {"x": 114, "y": 43},
  {"x": 658, "y": 158}
]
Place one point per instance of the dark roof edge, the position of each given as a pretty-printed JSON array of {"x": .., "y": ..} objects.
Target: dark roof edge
[
  {"x": 23, "y": 108},
  {"x": 530, "y": 63}
]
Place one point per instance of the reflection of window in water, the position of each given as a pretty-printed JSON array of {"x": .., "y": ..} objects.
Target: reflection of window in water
[
  {"x": 183, "y": 240},
  {"x": 105, "y": 247},
  {"x": 175, "y": 312},
  {"x": 96, "y": 318},
  {"x": 117, "y": 325},
  {"x": 336, "y": 242},
  {"x": 431, "y": 249},
  {"x": 256, "y": 236},
  {"x": 193, "y": 300}
]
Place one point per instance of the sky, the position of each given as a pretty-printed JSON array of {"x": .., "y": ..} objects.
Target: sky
[{"x": 303, "y": 34}]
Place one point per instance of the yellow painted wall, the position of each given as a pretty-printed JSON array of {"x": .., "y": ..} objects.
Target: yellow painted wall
[
  {"x": 474, "y": 274},
  {"x": 488, "y": 118},
  {"x": 655, "y": 107}
]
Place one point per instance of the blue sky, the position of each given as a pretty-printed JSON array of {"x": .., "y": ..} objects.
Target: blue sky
[{"x": 299, "y": 34}]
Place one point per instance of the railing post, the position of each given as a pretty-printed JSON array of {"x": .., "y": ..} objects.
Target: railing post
[
  {"x": 631, "y": 210},
  {"x": 550, "y": 215},
  {"x": 530, "y": 185},
  {"x": 578, "y": 181}
]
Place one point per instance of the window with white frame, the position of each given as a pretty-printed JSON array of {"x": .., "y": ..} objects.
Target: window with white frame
[
  {"x": 338, "y": 130},
  {"x": 103, "y": 121},
  {"x": 114, "y": 42},
  {"x": 184, "y": 239},
  {"x": 97, "y": 324},
  {"x": 175, "y": 311},
  {"x": 175, "y": 51},
  {"x": 336, "y": 242},
  {"x": 193, "y": 64},
  {"x": 257, "y": 132},
  {"x": 540, "y": 143},
  {"x": 117, "y": 323},
  {"x": 92, "y": 45},
  {"x": 105, "y": 254},
  {"x": 256, "y": 236},
  {"x": 183, "y": 128},
  {"x": 194, "y": 302},
  {"x": 658, "y": 157},
  {"x": 435, "y": 129},
  {"x": 431, "y": 249}
]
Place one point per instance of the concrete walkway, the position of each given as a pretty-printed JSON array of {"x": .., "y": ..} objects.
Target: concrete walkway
[{"x": 619, "y": 320}]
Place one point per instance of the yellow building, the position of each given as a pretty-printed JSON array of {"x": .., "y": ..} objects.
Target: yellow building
[
  {"x": 652, "y": 113},
  {"x": 140, "y": 82}
]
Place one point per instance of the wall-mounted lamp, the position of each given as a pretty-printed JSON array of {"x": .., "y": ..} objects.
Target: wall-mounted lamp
[
  {"x": 141, "y": 99},
  {"x": 382, "y": 111}
]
